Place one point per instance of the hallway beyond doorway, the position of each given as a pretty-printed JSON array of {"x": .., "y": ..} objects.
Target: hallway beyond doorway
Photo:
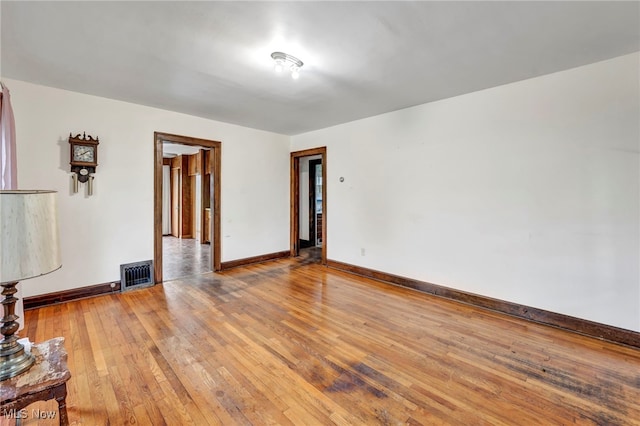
[
  {"x": 184, "y": 257},
  {"x": 311, "y": 255}
]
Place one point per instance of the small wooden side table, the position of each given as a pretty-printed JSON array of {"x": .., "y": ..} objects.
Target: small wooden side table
[{"x": 45, "y": 380}]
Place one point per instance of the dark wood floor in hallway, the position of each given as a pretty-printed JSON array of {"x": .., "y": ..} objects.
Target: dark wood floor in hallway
[{"x": 288, "y": 342}]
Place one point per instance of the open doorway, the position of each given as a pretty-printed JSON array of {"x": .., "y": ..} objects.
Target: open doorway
[
  {"x": 186, "y": 211},
  {"x": 187, "y": 190},
  {"x": 308, "y": 204}
]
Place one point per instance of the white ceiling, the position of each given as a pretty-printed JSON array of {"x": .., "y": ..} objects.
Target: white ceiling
[
  {"x": 212, "y": 59},
  {"x": 174, "y": 149}
]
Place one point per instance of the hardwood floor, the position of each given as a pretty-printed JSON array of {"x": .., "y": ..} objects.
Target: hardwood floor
[
  {"x": 290, "y": 342},
  {"x": 184, "y": 257},
  {"x": 310, "y": 255}
]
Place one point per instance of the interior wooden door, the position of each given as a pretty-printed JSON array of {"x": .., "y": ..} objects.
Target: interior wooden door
[{"x": 175, "y": 202}]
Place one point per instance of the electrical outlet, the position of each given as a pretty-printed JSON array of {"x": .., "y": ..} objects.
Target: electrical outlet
[{"x": 362, "y": 252}]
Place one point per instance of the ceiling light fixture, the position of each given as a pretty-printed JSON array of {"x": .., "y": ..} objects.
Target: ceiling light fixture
[{"x": 285, "y": 61}]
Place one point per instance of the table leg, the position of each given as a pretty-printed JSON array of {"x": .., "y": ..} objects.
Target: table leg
[{"x": 61, "y": 397}]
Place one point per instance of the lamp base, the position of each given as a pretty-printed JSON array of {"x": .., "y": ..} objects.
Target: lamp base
[{"x": 14, "y": 360}]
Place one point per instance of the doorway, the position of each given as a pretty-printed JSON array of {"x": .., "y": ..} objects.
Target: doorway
[
  {"x": 309, "y": 201},
  {"x": 185, "y": 223},
  {"x": 186, "y": 195}
]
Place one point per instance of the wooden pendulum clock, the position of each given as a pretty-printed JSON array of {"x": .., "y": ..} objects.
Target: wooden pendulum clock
[{"x": 84, "y": 160}]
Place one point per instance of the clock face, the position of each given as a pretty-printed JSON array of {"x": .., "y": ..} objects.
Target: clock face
[{"x": 84, "y": 153}]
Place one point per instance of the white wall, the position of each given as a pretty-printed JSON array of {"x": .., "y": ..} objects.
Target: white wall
[
  {"x": 197, "y": 213},
  {"x": 166, "y": 200},
  {"x": 115, "y": 225},
  {"x": 527, "y": 192}
]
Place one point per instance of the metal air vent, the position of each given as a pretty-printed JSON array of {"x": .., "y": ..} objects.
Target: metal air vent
[{"x": 136, "y": 275}]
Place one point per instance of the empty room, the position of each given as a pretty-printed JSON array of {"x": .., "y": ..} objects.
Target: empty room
[{"x": 320, "y": 212}]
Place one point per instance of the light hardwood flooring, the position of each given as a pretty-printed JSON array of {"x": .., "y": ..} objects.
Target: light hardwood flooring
[{"x": 287, "y": 342}]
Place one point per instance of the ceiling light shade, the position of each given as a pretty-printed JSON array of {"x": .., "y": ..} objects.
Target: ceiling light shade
[
  {"x": 295, "y": 72},
  {"x": 279, "y": 66},
  {"x": 283, "y": 60}
]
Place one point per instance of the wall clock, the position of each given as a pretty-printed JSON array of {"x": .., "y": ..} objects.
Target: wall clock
[{"x": 84, "y": 159}]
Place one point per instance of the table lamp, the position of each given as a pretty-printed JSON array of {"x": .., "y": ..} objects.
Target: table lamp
[{"x": 29, "y": 248}]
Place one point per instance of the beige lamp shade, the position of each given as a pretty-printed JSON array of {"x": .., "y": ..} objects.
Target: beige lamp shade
[{"x": 29, "y": 245}]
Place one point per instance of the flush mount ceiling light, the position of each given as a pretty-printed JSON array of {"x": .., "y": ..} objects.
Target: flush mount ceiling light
[{"x": 285, "y": 61}]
